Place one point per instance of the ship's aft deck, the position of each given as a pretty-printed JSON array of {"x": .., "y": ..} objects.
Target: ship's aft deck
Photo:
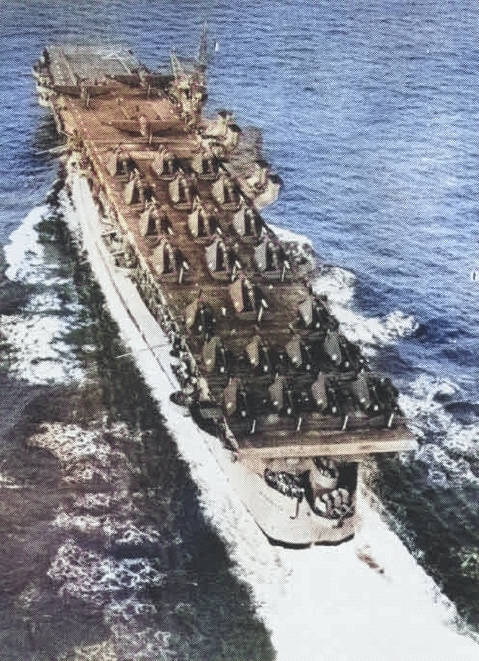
[
  {"x": 349, "y": 445},
  {"x": 111, "y": 118}
]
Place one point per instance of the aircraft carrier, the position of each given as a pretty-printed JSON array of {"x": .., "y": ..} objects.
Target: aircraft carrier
[{"x": 170, "y": 202}]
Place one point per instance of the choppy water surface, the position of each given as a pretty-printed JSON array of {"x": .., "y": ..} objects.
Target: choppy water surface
[{"x": 370, "y": 115}]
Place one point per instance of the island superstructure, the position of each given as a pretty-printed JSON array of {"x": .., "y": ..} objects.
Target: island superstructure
[{"x": 259, "y": 359}]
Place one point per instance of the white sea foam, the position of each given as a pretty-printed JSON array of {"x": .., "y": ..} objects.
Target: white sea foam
[
  {"x": 101, "y": 503},
  {"x": 94, "y": 501},
  {"x": 465, "y": 441},
  {"x": 23, "y": 253},
  {"x": 122, "y": 532},
  {"x": 39, "y": 355},
  {"x": 128, "y": 608},
  {"x": 370, "y": 332},
  {"x": 337, "y": 284},
  {"x": 291, "y": 237},
  {"x": 147, "y": 644},
  {"x": 71, "y": 443},
  {"x": 6, "y": 482},
  {"x": 86, "y": 456},
  {"x": 447, "y": 447},
  {"x": 85, "y": 524},
  {"x": 114, "y": 586},
  {"x": 94, "y": 578}
]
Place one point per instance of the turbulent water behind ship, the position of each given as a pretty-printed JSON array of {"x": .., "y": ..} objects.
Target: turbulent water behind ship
[{"x": 370, "y": 115}]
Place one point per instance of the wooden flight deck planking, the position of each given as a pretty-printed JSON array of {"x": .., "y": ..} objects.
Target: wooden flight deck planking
[{"x": 100, "y": 136}]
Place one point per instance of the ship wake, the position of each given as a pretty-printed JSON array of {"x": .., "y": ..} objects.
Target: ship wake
[{"x": 361, "y": 600}]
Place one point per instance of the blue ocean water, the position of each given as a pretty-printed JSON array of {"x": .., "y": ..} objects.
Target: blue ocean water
[{"x": 370, "y": 114}]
